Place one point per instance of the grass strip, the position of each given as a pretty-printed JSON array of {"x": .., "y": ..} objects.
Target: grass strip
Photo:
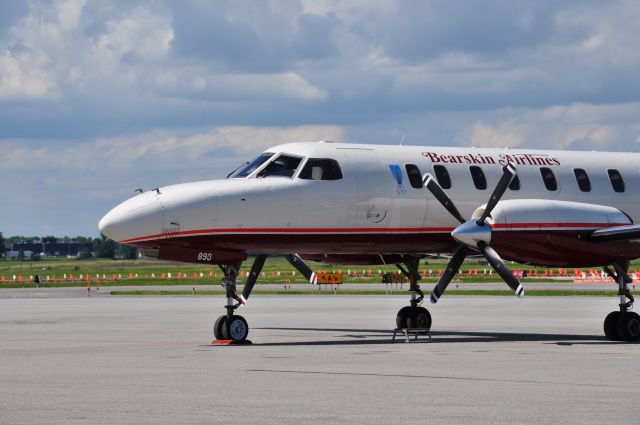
[{"x": 204, "y": 282}]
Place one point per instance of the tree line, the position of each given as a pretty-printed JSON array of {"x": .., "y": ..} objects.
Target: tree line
[{"x": 103, "y": 246}]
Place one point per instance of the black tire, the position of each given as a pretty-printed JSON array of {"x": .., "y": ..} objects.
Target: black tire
[
  {"x": 611, "y": 326},
  {"x": 629, "y": 326},
  {"x": 401, "y": 318},
  {"x": 236, "y": 329},
  {"x": 219, "y": 327},
  {"x": 420, "y": 319}
]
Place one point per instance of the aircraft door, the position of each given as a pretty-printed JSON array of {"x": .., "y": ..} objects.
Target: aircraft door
[
  {"x": 325, "y": 203},
  {"x": 373, "y": 203},
  {"x": 408, "y": 198}
]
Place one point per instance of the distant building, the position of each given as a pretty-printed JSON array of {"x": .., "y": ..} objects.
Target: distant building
[
  {"x": 53, "y": 249},
  {"x": 16, "y": 254}
]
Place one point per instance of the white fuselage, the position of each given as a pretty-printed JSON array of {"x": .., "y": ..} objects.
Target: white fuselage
[{"x": 368, "y": 199}]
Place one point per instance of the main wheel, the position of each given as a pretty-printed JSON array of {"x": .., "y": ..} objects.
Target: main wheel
[
  {"x": 611, "y": 326},
  {"x": 237, "y": 328},
  {"x": 401, "y": 318},
  {"x": 419, "y": 318},
  {"x": 629, "y": 326},
  {"x": 219, "y": 328}
]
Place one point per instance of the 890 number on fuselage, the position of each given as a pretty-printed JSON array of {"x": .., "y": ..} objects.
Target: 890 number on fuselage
[{"x": 205, "y": 256}]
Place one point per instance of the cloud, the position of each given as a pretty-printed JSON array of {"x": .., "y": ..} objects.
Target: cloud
[
  {"x": 256, "y": 37},
  {"x": 575, "y": 126},
  {"x": 139, "y": 35},
  {"x": 508, "y": 134},
  {"x": 140, "y": 65},
  {"x": 193, "y": 83},
  {"x": 25, "y": 77},
  {"x": 159, "y": 147}
]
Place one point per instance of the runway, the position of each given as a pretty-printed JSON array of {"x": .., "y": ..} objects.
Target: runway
[{"x": 108, "y": 360}]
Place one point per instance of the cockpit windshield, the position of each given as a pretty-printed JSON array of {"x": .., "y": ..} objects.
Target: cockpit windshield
[
  {"x": 283, "y": 166},
  {"x": 252, "y": 166}
]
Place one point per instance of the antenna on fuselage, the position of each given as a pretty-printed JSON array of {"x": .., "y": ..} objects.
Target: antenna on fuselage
[{"x": 402, "y": 141}]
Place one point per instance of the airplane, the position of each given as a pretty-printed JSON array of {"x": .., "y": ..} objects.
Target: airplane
[{"x": 345, "y": 203}]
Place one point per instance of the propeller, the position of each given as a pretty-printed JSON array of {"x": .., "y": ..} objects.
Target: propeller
[
  {"x": 473, "y": 234},
  {"x": 446, "y": 202},
  {"x": 258, "y": 264}
]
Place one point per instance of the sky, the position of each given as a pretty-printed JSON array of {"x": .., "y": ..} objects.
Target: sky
[{"x": 100, "y": 98}]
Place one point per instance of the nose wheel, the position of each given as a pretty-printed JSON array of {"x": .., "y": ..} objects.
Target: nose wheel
[
  {"x": 234, "y": 328},
  {"x": 230, "y": 327},
  {"x": 622, "y": 325}
]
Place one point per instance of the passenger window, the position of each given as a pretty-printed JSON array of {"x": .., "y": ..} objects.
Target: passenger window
[
  {"x": 415, "y": 178},
  {"x": 321, "y": 169},
  {"x": 479, "y": 180},
  {"x": 583, "y": 179},
  {"x": 616, "y": 180},
  {"x": 549, "y": 179},
  {"x": 282, "y": 166},
  {"x": 515, "y": 183},
  {"x": 442, "y": 175}
]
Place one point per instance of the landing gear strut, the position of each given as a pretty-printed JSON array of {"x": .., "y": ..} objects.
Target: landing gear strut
[
  {"x": 233, "y": 327},
  {"x": 413, "y": 316},
  {"x": 230, "y": 326},
  {"x": 623, "y": 325}
]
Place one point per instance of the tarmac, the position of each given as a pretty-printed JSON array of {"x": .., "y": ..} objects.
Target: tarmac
[
  {"x": 389, "y": 289},
  {"x": 149, "y": 360}
]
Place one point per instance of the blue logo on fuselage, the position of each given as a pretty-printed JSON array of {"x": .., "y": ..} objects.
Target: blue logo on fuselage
[{"x": 396, "y": 172}]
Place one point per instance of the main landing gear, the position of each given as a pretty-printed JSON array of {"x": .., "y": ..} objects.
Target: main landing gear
[
  {"x": 413, "y": 316},
  {"x": 623, "y": 325},
  {"x": 231, "y": 326}
]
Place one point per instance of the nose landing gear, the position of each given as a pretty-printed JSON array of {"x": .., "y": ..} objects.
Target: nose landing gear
[
  {"x": 623, "y": 325},
  {"x": 230, "y": 326}
]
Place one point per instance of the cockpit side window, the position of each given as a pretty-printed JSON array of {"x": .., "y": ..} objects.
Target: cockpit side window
[
  {"x": 252, "y": 166},
  {"x": 283, "y": 166},
  {"x": 321, "y": 169}
]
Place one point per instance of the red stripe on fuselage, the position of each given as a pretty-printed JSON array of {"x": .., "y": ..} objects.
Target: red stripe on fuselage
[
  {"x": 303, "y": 230},
  {"x": 359, "y": 230},
  {"x": 561, "y": 226}
]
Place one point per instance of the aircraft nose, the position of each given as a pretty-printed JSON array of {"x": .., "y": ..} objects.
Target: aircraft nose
[
  {"x": 138, "y": 217},
  {"x": 116, "y": 224},
  {"x": 108, "y": 224}
]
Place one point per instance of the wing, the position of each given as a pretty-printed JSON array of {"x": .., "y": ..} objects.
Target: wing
[{"x": 630, "y": 233}]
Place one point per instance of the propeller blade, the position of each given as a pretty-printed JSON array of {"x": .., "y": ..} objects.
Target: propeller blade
[
  {"x": 434, "y": 187},
  {"x": 449, "y": 273},
  {"x": 302, "y": 267},
  {"x": 256, "y": 268},
  {"x": 508, "y": 173},
  {"x": 501, "y": 268}
]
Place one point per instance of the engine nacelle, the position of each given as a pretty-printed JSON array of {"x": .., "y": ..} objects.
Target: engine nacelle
[
  {"x": 539, "y": 214},
  {"x": 540, "y": 231}
]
